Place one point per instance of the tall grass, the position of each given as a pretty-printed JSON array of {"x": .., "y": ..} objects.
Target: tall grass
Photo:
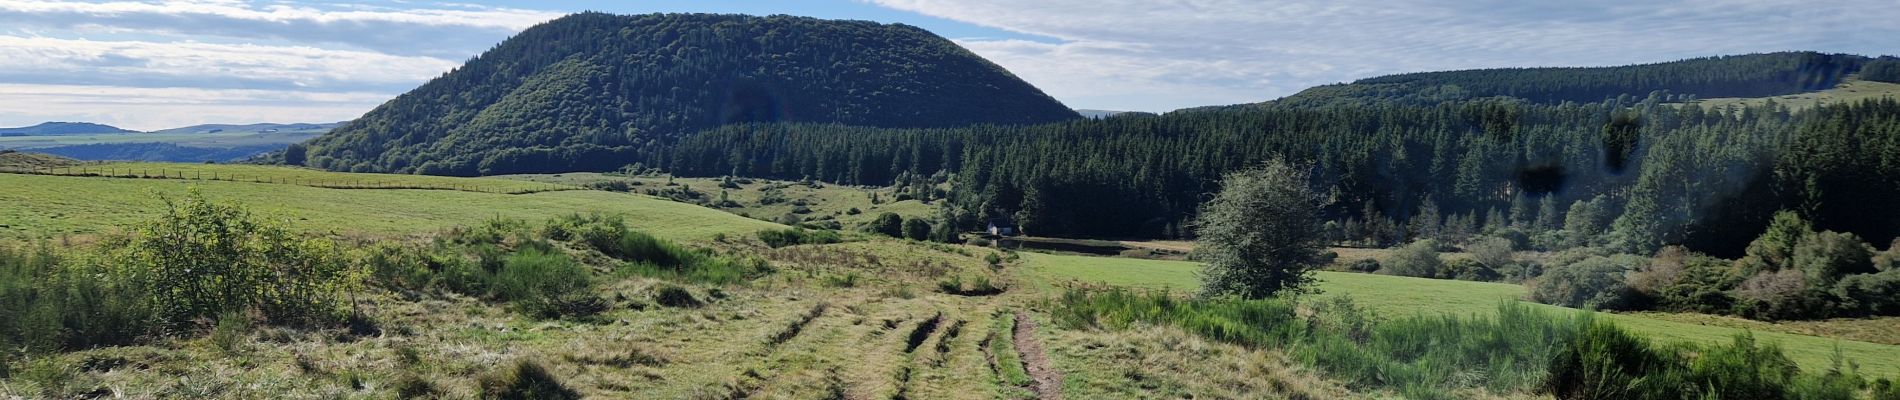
[
  {"x": 50, "y": 302},
  {"x": 1520, "y": 350},
  {"x": 650, "y": 256},
  {"x": 534, "y": 267}
]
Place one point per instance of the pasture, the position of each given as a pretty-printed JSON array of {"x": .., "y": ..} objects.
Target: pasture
[
  {"x": 43, "y": 206},
  {"x": 1396, "y": 295},
  {"x": 762, "y": 198},
  {"x": 294, "y": 176}
]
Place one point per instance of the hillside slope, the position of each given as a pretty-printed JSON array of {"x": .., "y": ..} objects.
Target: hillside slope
[
  {"x": 596, "y": 91},
  {"x": 62, "y": 128},
  {"x": 1750, "y": 75}
]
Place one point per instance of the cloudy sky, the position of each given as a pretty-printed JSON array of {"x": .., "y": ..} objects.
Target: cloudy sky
[{"x": 157, "y": 64}]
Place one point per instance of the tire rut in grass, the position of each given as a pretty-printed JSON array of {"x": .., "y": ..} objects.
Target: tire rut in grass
[
  {"x": 1048, "y": 380},
  {"x": 923, "y": 331},
  {"x": 798, "y": 325}
]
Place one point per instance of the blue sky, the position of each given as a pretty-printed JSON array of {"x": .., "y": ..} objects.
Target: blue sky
[{"x": 152, "y": 64}]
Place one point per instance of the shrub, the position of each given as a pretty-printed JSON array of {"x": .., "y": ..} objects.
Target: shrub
[
  {"x": 395, "y": 266},
  {"x": 1609, "y": 363},
  {"x": 916, "y": 229},
  {"x": 1494, "y": 252},
  {"x": 1606, "y": 363},
  {"x": 525, "y": 380},
  {"x": 887, "y": 224},
  {"x": 1594, "y": 283},
  {"x": 1827, "y": 256},
  {"x": 1469, "y": 270},
  {"x": 1363, "y": 265},
  {"x": 230, "y": 332},
  {"x": 1664, "y": 270},
  {"x": 776, "y": 238},
  {"x": 1889, "y": 259},
  {"x": 1869, "y": 294},
  {"x": 611, "y": 186},
  {"x": 1259, "y": 236},
  {"x": 1419, "y": 259},
  {"x": 547, "y": 284},
  {"x": 1773, "y": 295},
  {"x": 651, "y": 256},
  {"x": 202, "y": 259}
]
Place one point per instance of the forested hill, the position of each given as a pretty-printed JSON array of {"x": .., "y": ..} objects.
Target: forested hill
[
  {"x": 596, "y": 91},
  {"x": 1753, "y": 75},
  {"x": 1633, "y": 175}
]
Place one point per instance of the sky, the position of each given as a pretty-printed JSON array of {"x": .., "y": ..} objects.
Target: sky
[{"x": 151, "y": 65}]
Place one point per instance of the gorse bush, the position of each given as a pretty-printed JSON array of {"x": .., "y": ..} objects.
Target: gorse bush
[
  {"x": 547, "y": 284},
  {"x": 202, "y": 259}
]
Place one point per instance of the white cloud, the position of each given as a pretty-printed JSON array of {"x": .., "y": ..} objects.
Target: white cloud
[
  {"x": 1159, "y": 55},
  {"x": 454, "y": 31},
  {"x": 141, "y": 63}
]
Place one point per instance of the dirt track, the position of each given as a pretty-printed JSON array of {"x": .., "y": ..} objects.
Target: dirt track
[{"x": 1048, "y": 381}]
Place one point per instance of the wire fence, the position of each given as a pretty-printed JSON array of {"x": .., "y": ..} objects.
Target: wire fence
[{"x": 108, "y": 171}]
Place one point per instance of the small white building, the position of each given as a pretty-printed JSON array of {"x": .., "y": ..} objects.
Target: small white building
[{"x": 1001, "y": 227}]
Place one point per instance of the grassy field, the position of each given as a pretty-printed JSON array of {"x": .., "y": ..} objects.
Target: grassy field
[
  {"x": 1393, "y": 295},
  {"x": 826, "y": 200},
  {"x": 38, "y": 206},
  {"x": 300, "y": 176},
  {"x": 1850, "y": 91}
]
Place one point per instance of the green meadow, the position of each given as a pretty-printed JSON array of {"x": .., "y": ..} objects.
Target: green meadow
[
  {"x": 1397, "y": 295},
  {"x": 50, "y": 206}
]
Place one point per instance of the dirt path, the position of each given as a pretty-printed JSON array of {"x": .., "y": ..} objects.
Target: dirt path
[{"x": 1048, "y": 381}]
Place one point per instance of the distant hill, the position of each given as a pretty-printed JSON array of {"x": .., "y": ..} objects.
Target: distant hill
[
  {"x": 1752, "y": 75},
  {"x": 1098, "y": 113},
  {"x": 63, "y": 128},
  {"x": 597, "y": 91},
  {"x": 252, "y": 128},
  {"x": 167, "y": 152}
]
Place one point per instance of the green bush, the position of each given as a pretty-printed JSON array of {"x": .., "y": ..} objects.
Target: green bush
[
  {"x": 1594, "y": 283},
  {"x": 887, "y": 224},
  {"x": 1869, "y": 294},
  {"x": 1419, "y": 259},
  {"x": 1469, "y": 270},
  {"x": 1363, "y": 265},
  {"x": 201, "y": 259},
  {"x": 1827, "y": 256},
  {"x": 546, "y": 284},
  {"x": 776, "y": 238},
  {"x": 916, "y": 229}
]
